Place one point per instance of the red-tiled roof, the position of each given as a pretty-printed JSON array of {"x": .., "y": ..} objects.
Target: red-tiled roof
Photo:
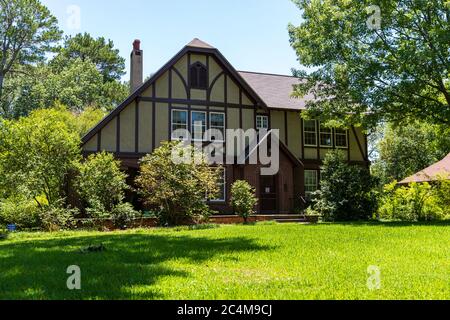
[
  {"x": 432, "y": 173},
  {"x": 275, "y": 90}
]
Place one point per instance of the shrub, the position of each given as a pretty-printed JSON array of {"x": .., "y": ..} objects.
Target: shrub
[
  {"x": 243, "y": 199},
  {"x": 123, "y": 215},
  {"x": 347, "y": 191},
  {"x": 19, "y": 211},
  {"x": 55, "y": 218},
  {"x": 416, "y": 202},
  {"x": 101, "y": 184},
  {"x": 177, "y": 189}
]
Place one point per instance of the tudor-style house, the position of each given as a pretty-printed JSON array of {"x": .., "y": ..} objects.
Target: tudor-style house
[{"x": 199, "y": 85}]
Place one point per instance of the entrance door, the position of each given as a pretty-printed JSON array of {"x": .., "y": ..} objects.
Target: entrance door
[{"x": 268, "y": 197}]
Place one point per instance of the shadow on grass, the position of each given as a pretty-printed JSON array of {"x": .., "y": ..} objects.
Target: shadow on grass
[
  {"x": 129, "y": 268},
  {"x": 391, "y": 223}
]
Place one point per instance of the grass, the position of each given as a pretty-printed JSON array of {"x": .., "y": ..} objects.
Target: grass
[{"x": 263, "y": 261}]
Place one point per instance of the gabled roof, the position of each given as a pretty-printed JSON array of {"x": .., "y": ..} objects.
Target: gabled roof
[
  {"x": 435, "y": 172},
  {"x": 196, "y": 46},
  {"x": 276, "y": 90}
]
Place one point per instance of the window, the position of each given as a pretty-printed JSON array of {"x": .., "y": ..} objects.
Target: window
[
  {"x": 341, "y": 138},
  {"x": 217, "y": 126},
  {"x": 326, "y": 136},
  {"x": 310, "y": 133},
  {"x": 221, "y": 183},
  {"x": 198, "y": 75},
  {"x": 198, "y": 119},
  {"x": 262, "y": 122},
  {"x": 311, "y": 182},
  {"x": 179, "y": 122}
]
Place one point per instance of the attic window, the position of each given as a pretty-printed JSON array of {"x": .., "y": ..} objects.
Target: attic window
[{"x": 198, "y": 76}]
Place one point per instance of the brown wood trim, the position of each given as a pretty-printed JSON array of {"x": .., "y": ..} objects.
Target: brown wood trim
[
  {"x": 213, "y": 83},
  {"x": 302, "y": 136},
  {"x": 188, "y": 75},
  {"x": 359, "y": 143},
  {"x": 118, "y": 133},
  {"x": 178, "y": 73},
  {"x": 286, "y": 128},
  {"x": 241, "y": 121},
  {"x": 169, "y": 133}
]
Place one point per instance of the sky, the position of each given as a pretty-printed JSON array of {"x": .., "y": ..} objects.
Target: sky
[{"x": 251, "y": 34}]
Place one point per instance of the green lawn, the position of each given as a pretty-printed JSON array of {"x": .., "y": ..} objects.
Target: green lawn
[{"x": 264, "y": 261}]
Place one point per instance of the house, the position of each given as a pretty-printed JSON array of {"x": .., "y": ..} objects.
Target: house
[
  {"x": 435, "y": 172},
  {"x": 199, "y": 85}
]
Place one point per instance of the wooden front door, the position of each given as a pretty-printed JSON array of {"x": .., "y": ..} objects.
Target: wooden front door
[{"x": 268, "y": 198}]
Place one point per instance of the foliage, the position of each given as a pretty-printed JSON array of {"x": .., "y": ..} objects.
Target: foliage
[
  {"x": 398, "y": 70},
  {"x": 177, "y": 188},
  {"x": 19, "y": 211},
  {"x": 37, "y": 154},
  {"x": 405, "y": 150},
  {"x": 346, "y": 191},
  {"x": 56, "y": 218},
  {"x": 100, "y": 183},
  {"x": 123, "y": 215},
  {"x": 27, "y": 32},
  {"x": 100, "y": 52},
  {"x": 416, "y": 202},
  {"x": 243, "y": 199}
]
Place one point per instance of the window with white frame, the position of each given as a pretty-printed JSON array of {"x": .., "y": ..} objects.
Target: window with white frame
[
  {"x": 198, "y": 125},
  {"x": 310, "y": 133},
  {"x": 262, "y": 122},
  {"x": 217, "y": 126},
  {"x": 179, "y": 122},
  {"x": 221, "y": 184},
  {"x": 311, "y": 182},
  {"x": 326, "y": 136},
  {"x": 340, "y": 136}
]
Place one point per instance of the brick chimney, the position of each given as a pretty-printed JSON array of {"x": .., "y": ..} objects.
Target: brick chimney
[{"x": 137, "y": 75}]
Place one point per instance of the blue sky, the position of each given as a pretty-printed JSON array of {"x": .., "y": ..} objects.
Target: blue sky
[{"x": 252, "y": 34}]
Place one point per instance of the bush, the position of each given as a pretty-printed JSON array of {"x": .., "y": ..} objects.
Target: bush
[
  {"x": 243, "y": 199},
  {"x": 177, "y": 189},
  {"x": 123, "y": 215},
  {"x": 416, "y": 202},
  {"x": 19, "y": 211},
  {"x": 54, "y": 218},
  {"x": 101, "y": 184},
  {"x": 347, "y": 191}
]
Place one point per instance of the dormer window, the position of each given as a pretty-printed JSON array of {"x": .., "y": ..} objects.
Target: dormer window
[{"x": 198, "y": 76}]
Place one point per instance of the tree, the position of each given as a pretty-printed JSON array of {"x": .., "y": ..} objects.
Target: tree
[
  {"x": 370, "y": 63},
  {"x": 177, "y": 188},
  {"x": 243, "y": 199},
  {"x": 37, "y": 155},
  {"x": 99, "y": 51},
  {"x": 27, "y": 32},
  {"x": 346, "y": 191},
  {"x": 407, "y": 149},
  {"x": 100, "y": 183}
]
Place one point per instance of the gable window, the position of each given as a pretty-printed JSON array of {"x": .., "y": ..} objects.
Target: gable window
[
  {"x": 341, "y": 138},
  {"x": 198, "y": 75},
  {"x": 310, "y": 133},
  {"x": 198, "y": 125},
  {"x": 179, "y": 122},
  {"x": 326, "y": 137},
  {"x": 262, "y": 122},
  {"x": 221, "y": 184},
  {"x": 311, "y": 182},
  {"x": 217, "y": 126}
]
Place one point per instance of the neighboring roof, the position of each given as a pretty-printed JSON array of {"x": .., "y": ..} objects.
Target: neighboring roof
[
  {"x": 432, "y": 173},
  {"x": 276, "y": 90},
  {"x": 197, "y": 43}
]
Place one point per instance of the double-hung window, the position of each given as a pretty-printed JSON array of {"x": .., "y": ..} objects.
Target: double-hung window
[
  {"x": 310, "y": 133},
  {"x": 341, "y": 138},
  {"x": 198, "y": 125},
  {"x": 326, "y": 137},
  {"x": 217, "y": 126},
  {"x": 262, "y": 122},
  {"x": 180, "y": 123},
  {"x": 311, "y": 182}
]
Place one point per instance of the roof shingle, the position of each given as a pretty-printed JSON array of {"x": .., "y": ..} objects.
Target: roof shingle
[{"x": 438, "y": 170}]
